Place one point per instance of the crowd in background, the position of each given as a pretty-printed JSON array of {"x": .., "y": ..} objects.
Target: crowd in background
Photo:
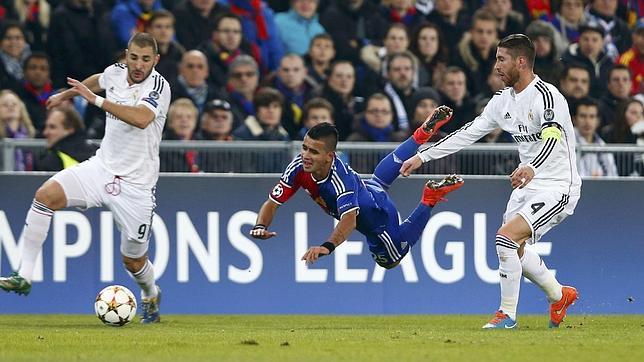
[{"x": 270, "y": 70}]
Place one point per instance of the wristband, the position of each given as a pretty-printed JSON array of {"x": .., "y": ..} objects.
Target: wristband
[
  {"x": 259, "y": 227},
  {"x": 329, "y": 245},
  {"x": 98, "y": 101}
]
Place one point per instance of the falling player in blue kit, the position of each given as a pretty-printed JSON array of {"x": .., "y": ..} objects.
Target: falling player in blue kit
[{"x": 363, "y": 205}]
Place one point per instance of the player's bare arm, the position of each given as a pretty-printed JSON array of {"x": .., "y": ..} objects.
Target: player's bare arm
[
  {"x": 138, "y": 116},
  {"x": 90, "y": 82},
  {"x": 341, "y": 232},
  {"x": 264, "y": 219}
]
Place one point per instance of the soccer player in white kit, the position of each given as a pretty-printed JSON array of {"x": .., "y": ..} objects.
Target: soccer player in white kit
[
  {"x": 546, "y": 183},
  {"x": 121, "y": 176}
]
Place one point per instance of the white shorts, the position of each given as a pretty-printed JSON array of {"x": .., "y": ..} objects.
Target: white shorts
[
  {"x": 541, "y": 209},
  {"x": 89, "y": 184}
]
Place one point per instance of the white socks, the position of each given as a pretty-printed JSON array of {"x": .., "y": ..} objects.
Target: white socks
[
  {"x": 145, "y": 279},
  {"x": 33, "y": 236},
  {"x": 510, "y": 273},
  {"x": 537, "y": 272}
]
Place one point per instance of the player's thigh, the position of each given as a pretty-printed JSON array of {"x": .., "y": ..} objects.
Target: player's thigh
[
  {"x": 386, "y": 248},
  {"x": 133, "y": 208},
  {"x": 544, "y": 210},
  {"x": 83, "y": 184}
]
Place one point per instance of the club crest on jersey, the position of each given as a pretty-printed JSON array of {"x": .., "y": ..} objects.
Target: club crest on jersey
[
  {"x": 549, "y": 115},
  {"x": 153, "y": 95},
  {"x": 530, "y": 116}
]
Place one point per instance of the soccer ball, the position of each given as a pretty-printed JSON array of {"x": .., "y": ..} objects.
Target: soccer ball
[{"x": 115, "y": 306}]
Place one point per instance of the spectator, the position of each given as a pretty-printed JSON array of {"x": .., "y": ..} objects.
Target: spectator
[
  {"x": 260, "y": 30},
  {"x": 321, "y": 53},
  {"x": 15, "y": 123},
  {"x": 192, "y": 81},
  {"x": 161, "y": 27},
  {"x": 293, "y": 82},
  {"x": 317, "y": 110},
  {"x": 508, "y": 21},
  {"x": 569, "y": 16},
  {"x": 618, "y": 91},
  {"x": 243, "y": 79},
  {"x": 634, "y": 58},
  {"x": 299, "y": 25},
  {"x": 453, "y": 90},
  {"x": 341, "y": 20},
  {"x": 476, "y": 52},
  {"x": 534, "y": 9},
  {"x": 628, "y": 126},
  {"x": 67, "y": 144},
  {"x": 225, "y": 45},
  {"x": 83, "y": 43},
  {"x": 36, "y": 88},
  {"x": 452, "y": 19},
  {"x": 589, "y": 53},
  {"x": 34, "y": 16},
  {"x": 216, "y": 121},
  {"x": 375, "y": 57},
  {"x": 403, "y": 12},
  {"x": 13, "y": 52},
  {"x": 617, "y": 36},
  {"x": 132, "y": 16},
  {"x": 339, "y": 91},
  {"x": 427, "y": 44},
  {"x": 424, "y": 102},
  {"x": 586, "y": 122},
  {"x": 376, "y": 124},
  {"x": 182, "y": 125},
  {"x": 217, "y": 125},
  {"x": 265, "y": 126},
  {"x": 574, "y": 84},
  {"x": 546, "y": 63},
  {"x": 401, "y": 69},
  {"x": 196, "y": 21}
]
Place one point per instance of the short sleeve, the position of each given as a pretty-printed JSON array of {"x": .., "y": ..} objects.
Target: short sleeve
[{"x": 155, "y": 95}]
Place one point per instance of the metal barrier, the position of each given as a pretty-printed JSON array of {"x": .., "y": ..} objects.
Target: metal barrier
[{"x": 272, "y": 157}]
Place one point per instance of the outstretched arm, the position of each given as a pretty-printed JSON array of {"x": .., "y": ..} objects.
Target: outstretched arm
[
  {"x": 264, "y": 219},
  {"x": 138, "y": 116},
  {"x": 90, "y": 82},
  {"x": 341, "y": 232}
]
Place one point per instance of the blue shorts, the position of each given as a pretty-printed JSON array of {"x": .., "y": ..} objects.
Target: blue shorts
[{"x": 384, "y": 237}]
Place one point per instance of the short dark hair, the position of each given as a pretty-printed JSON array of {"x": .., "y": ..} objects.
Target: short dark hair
[
  {"x": 160, "y": 14},
  {"x": 323, "y": 36},
  {"x": 11, "y": 24},
  {"x": 226, "y": 15},
  {"x": 36, "y": 55},
  {"x": 71, "y": 118},
  {"x": 316, "y": 103},
  {"x": 144, "y": 40},
  {"x": 587, "y": 102},
  {"x": 568, "y": 67},
  {"x": 404, "y": 54},
  {"x": 619, "y": 67},
  {"x": 266, "y": 96},
  {"x": 519, "y": 45},
  {"x": 325, "y": 132}
]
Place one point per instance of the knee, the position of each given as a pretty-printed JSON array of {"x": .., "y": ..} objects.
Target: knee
[
  {"x": 133, "y": 265},
  {"x": 51, "y": 194}
]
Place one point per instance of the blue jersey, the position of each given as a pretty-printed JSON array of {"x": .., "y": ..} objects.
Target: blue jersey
[{"x": 340, "y": 192}]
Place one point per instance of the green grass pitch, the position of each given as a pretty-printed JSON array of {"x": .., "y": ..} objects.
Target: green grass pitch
[{"x": 320, "y": 338}]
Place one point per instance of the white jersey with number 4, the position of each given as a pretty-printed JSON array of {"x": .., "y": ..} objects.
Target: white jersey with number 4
[
  {"x": 524, "y": 115},
  {"x": 128, "y": 151}
]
